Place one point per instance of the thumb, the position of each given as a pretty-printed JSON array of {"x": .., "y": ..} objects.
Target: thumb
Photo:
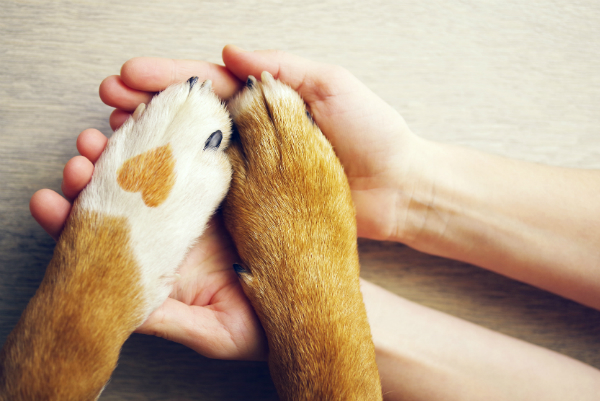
[{"x": 304, "y": 76}]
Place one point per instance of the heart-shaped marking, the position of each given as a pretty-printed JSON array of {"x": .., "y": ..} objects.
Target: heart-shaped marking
[{"x": 151, "y": 173}]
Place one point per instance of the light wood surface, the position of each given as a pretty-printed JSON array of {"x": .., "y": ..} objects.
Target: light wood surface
[{"x": 520, "y": 79}]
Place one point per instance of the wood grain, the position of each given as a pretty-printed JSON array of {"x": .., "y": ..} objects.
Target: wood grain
[{"x": 512, "y": 78}]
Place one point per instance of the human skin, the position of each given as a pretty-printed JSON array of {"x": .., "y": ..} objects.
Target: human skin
[{"x": 497, "y": 213}]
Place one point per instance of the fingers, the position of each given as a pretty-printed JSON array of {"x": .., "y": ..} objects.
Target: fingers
[
  {"x": 118, "y": 118},
  {"x": 76, "y": 175},
  {"x": 150, "y": 74},
  {"x": 115, "y": 93},
  {"x": 311, "y": 79},
  {"x": 78, "y": 171},
  {"x": 50, "y": 210},
  {"x": 142, "y": 76},
  {"x": 91, "y": 144}
]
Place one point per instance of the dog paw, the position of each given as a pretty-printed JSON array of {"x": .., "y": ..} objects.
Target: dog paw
[
  {"x": 289, "y": 200},
  {"x": 290, "y": 213},
  {"x": 161, "y": 176}
]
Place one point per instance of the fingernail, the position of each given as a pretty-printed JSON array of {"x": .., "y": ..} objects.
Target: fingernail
[{"x": 238, "y": 49}]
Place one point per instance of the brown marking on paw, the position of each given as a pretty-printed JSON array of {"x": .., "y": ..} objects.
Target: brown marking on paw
[{"x": 151, "y": 173}]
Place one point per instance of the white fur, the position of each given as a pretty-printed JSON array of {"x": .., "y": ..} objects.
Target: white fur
[{"x": 161, "y": 236}]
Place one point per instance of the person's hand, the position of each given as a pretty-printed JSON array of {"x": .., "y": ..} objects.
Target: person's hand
[
  {"x": 375, "y": 146},
  {"x": 381, "y": 157}
]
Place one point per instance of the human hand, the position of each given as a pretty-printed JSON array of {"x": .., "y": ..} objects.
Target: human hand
[
  {"x": 379, "y": 153},
  {"x": 382, "y": 159}
]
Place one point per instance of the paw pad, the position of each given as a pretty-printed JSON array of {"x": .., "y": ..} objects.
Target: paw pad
[{"x": 151, "y": 173}]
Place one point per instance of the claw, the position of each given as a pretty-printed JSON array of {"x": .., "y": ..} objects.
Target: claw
[
  {"x": 207, "y": 84},
  {"x": 192, "y": 81},
  {"x": 266, "y": 77},
  {"x": 239, "y": 269},
  {"x": 310, "y": 117},
  {"x": 250, "y": 82},
  {"x": 139, "y": 111}
]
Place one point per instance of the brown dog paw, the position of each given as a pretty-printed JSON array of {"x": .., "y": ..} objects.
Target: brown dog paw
[{"x": 290, "y": 213}]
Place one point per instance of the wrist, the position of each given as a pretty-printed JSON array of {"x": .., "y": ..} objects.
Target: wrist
[
  {"x": 442, "y": 200},
  {"x": 422, "y": 197},
  {"x": 443, "y": 205},
  {"x": 389, "y": 202}
]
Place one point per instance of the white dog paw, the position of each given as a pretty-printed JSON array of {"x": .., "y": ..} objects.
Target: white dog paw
[{"x": 164, "y": 172}]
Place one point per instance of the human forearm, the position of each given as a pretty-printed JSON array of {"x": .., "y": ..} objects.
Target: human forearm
[
  {"x": 534, "y": 223},
  {"x": 423, "y": 354}
]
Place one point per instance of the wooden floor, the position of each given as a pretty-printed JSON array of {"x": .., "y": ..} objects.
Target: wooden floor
[{"x": 507, "y": 77}]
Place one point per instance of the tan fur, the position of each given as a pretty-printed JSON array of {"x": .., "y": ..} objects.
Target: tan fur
[
  {"x": 291, "y": 216},
  {"x": 92, "y": 281},
  {"x": 151, "y": 173}
]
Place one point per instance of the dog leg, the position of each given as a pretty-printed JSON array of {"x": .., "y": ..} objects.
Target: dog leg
[
  {"x": 291, "y": 216},
  {"x": 159, "y": 180}
]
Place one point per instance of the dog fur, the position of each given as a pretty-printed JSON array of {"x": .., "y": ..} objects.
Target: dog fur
[
  {"x": 160, "y": 178},
  {"x": 290, "y": 213}
]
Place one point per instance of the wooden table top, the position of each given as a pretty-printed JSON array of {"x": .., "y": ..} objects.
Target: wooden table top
[{"x": 519, "y": 80}]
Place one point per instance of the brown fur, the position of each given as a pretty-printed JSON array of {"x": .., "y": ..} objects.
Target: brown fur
[
  {"x": 151, "y": 173},
  {"x": 291, "y": 216},
  {"x": 66, "y": 344}
]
